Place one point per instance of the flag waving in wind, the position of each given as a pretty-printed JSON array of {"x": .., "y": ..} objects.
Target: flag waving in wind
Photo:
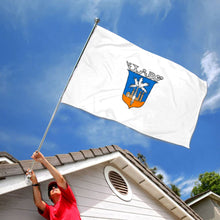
[{"x": 118, "y": 80}]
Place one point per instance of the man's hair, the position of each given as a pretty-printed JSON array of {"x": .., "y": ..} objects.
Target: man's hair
[{"x": 50, "y": 187}]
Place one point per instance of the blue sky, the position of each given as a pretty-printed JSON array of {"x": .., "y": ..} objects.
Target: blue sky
[{"x": 40, "y": 43}]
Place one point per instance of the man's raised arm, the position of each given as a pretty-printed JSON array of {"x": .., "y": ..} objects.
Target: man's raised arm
[
  {"x": 36, "y": 191},
  {"x": 39, "y": 157}
]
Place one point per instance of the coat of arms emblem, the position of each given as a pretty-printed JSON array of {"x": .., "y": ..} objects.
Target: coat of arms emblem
[{"x": 139, "y": 85}]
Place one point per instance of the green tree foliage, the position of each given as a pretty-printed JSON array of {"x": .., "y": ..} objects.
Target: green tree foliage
[
  {"x": 175, "y": 189},
  {"x": 154, "y": 171},
  {"x": 160, "y": 176},
  {"x": 142, "y": 159},
  {"x": 207, "y": 181}
]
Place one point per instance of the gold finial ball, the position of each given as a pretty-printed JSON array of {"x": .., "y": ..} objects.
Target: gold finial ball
[{"x": 97, "y": 20}]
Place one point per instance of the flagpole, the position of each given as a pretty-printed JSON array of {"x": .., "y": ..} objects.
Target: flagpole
[{"x": 57, "y": 106}]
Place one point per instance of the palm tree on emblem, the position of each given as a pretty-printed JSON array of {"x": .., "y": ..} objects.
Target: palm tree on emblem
[{"x": 138, "y": 85}]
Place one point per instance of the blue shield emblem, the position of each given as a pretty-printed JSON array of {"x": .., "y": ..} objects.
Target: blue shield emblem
[{"x": 137, "y": 89}]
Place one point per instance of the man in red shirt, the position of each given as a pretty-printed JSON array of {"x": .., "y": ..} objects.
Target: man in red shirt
[{"x": 60, "y": 193}]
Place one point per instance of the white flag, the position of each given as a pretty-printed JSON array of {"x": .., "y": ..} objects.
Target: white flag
[{"x": 118, "y": 80}]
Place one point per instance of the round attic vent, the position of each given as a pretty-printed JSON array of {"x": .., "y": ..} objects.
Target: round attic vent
[{"x": 117, "y": 183}]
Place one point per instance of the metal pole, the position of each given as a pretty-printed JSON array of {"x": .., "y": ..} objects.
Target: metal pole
[{"x": 56, "y": 108}]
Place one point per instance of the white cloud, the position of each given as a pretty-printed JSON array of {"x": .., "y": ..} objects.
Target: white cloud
[
  {"x": 202, "y": 26},
  {"x": 166, "y": 176},
  {"x": 211, "y": 69},
  {"x": 24, "y": 12},
  {"x": 185, "y": 185},
  {"x": 178, "y": 180},
  {"x": 203, "y": 23},
  {"x": 102, "y": 132},
  {"x": 108, "y": 10},
  {"x": 14, "y": 139},
  {"x": 155, "y": 7},
  {"x": 212, "y": 103}
]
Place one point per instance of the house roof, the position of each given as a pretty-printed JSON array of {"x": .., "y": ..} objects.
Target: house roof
[
  {"x": 201, "y": 196},
  {"x": 7, "y": 158},
  {"x": 123, "y": 159}
]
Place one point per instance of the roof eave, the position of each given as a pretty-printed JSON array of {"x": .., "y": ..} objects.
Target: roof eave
[
  {"x": 15, "y": 182},
  {"x": 154, "y": 190},
  {"x": 208, "y": 194}
]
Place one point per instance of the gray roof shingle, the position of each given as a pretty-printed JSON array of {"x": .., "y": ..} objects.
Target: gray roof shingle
[{"x": 19, "y": 167}]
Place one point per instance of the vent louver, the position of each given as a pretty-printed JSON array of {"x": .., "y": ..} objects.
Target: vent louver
[{"x": 118, "y": 182}]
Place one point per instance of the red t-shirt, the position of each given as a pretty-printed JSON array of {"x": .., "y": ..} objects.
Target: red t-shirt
[{"x": 65, "y": 209}]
